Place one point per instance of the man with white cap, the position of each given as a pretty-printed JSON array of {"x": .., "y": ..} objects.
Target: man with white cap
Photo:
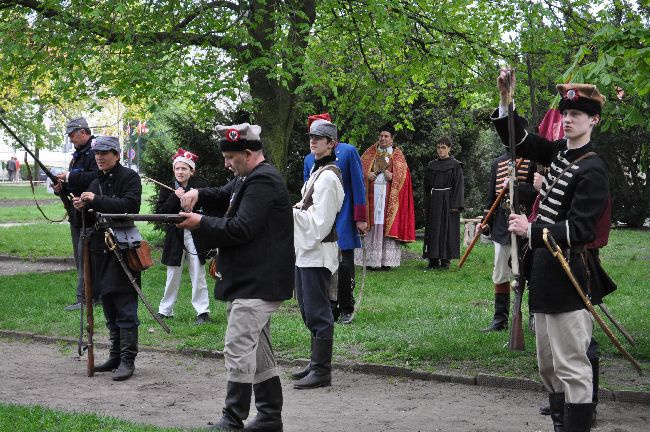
[
  {"x": 81, "y": 172},
  {"x": 256, "y": 260}
]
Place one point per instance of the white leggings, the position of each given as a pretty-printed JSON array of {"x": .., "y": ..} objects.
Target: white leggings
[{"x": 200, "y": 297}]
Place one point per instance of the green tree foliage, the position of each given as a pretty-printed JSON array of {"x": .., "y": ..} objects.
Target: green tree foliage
[{"x": 365, "y": 61}]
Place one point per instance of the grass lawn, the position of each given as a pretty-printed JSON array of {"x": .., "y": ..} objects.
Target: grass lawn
[
  {"x": 10, "y": 191},
  {"x": 16, "y": 418},
  {"x": 28, "y": 212},
  {"x": 409, "y": 317}
]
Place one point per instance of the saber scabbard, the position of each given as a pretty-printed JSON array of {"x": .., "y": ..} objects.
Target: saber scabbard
[
  {"x": 110, "y": 243},
  {"x": 357, "y": 306},
  {"x": 557, "y": 253}
]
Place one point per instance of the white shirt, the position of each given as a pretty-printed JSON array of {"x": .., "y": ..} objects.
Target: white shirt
[{"x": 311, "y": 226}]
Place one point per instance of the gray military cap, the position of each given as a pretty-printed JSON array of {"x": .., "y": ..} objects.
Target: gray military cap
[
  {"x": 74, "y": 124},
  {"x": 323, "y": 128},
  {"x": 106, "y": 143}
]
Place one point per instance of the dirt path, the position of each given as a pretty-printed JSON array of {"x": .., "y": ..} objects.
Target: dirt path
[
  {"x": 177, "y": 391},
  {"x": 14, "y": 265}
]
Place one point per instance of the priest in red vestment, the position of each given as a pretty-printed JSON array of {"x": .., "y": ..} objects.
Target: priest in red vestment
[{"x": 389, "y": 202}]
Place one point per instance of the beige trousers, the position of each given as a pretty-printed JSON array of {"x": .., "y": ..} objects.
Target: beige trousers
[
  {"x": 562, "y": 342},
  {"x": 248, "y": 352}
]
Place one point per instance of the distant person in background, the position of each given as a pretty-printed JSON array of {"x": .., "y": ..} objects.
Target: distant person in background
[
  {"x": 389, "y": 202},
  {"x": 11, "y": 168},
  {"x": 179, "y": 243},
  {"x": 444, "y": 198},
  {"x": 17, "y": 172},
  {"x": 81, "y": 172}
]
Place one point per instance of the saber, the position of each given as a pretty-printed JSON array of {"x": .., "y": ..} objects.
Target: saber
[
  {"x": 110, "y": 243},
  {"x": 557, "y": 253},
  {"x": 363, "y": 277}
]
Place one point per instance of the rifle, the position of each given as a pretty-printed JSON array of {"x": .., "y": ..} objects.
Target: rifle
[
  {"x": 55, "y": 180},
  {"x": 557, "y": 253},
  {"x": 487, "y": 217},
  {"x": 618, "y": 325},
  {"x": 105, "y": 219},
  {"x": 88, "y": 293},
  {"x": 516, "y": 342}
]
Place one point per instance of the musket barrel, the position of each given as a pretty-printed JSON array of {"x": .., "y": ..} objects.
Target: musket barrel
[{"x": 172, "y": 218}]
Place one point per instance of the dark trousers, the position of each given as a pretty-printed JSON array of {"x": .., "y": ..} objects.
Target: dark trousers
[
  {"x": 312, "y": 285},
  {"x": 120, "y": 310},
  {"x": 346, "y": 282}
]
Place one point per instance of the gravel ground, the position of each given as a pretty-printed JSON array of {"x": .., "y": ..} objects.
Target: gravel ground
[
  {"x": 13, "y": 265},
  {"x": 178, "y": 391}
]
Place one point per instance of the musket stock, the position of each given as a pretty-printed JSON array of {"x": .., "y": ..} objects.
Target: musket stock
[{"x": 88, "y": 293}]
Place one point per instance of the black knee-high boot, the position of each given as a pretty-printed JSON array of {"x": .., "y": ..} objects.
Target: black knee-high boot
[
  {"x": 113, "y": 360},
  {"x": 268, "y": 401},
  {"x": 320, "y": 374},
  {"x": 303, "y": 373},
  {"x": 501, "y": 310},
  {"x": 238, "y": 404},
  {"x": 128, "y": 352},
  {"x": 556, "y": 404},
  {"x": 577, "y": 417}
]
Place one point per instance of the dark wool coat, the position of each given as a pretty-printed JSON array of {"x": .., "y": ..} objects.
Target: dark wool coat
[
  {"x": 443, "y": 190},
  {"x": 82, "y": 171},
  {"x": 117, "y": 191},
  {"x": 255, "y": 237},
  {"x": 570, "y": 210},
  {"x": 169, "y": 203}
]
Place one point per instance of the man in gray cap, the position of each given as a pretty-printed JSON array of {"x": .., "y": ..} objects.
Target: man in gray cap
[
  {"x": 317, "y": 253},
  {"x": 82, "y": 171},
  {"x": 256, "y": 260},
  {"x": 116, "y": 189}
]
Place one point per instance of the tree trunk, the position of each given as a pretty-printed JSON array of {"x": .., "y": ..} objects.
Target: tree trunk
[{"x": 275, "y": 112}]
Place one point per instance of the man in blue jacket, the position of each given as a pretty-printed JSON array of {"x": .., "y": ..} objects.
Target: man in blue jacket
[{"x": 350, "y": 222}]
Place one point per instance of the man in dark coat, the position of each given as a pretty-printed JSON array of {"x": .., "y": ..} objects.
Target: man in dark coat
[
  {"x": 498, "y": 230},
  {"x": 573, "y": 196},
  {"x": 115, "y": 190},
  {"x": 443, "y": 200},
  {"x": 81, "y": 172},
  {"x": 256, "y": 263}
]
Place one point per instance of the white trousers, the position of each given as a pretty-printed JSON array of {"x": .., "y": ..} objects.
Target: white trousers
[
  {"x": 200, "y": 297},
  {"x": 248, "y": 351},
  {"x": 501, "y": 272},
  {"x": 562, "y": 342}
]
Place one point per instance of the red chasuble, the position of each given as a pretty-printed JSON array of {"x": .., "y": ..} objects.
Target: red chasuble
[{"x": 399, "y": 216}]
